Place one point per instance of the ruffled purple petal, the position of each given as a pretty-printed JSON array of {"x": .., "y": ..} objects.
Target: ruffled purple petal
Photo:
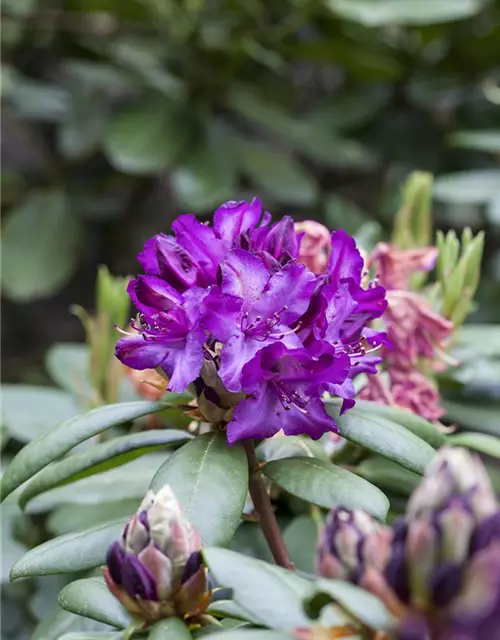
[
  {"x": 232, "y": 219},
  {"x": 175, "y": 264},
  {"x": 287, "y": 293},
  {"x": 257, "y": 417},
  {"x": 244, "y": 276},
  {"x": 312, "y": 420},
  {"x": 201, "y": 243},
  {"x": 183, "y": 364},
  {"x": 345, "y": 260},
  {"x": 223, "y": 313},
  {"x": 114, "y": 559},
  {"x": 138, "y": 352},
  {"x": 151, "y": 294},
  {"x": 237, "y": 352}
]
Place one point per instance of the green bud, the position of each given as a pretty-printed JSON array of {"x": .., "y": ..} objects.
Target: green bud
[
  {"x": 413, "y": 224},
  {"x": 112, "y": 309}
]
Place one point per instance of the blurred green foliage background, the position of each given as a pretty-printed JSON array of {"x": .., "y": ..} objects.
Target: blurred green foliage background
[{"x": 119, "y": 114}]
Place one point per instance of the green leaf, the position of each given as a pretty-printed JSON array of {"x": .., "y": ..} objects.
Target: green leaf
[
  {"x": 146, "y": 139},
  {"x": 197, "y": 472},
  {"x": 57, "y": 623},
  {"x": 90, "y": 598},
  {"x": 288, "y": 447},
  {"x": 69, "y": 553},
  {"x": 384, "y": 437},
  {"x": 489, "y": 445},
  {"x": 377, "y": 13},
  {"x": 361, "y": 604},
  {"x": 422, "y": 428},
  {"x": 272, "y": 595},
  {"x": 73, "y": 517},
  {"x": 326, "y": 485},
  {"x": 479, "y": 417},
  {"x": 478, "y": 186},
  {"x": 484, "y": 140},
  {"x": 79, "y": 135},
  {"x": 388, "y": 475},
  {"x": 68, "y": 365},
  {"x": 300, "y": 538},
  {"x": 250, "y": 634},
  {"x": 170, "y": 629},
  {"x": 58, "y": 441},
  {"x": 28, "y": 410},
  {"x": 101, "y": 457},
  {"x": 277, "y": 174},
  {"x": 250, "y": 541},
  {"x": 208, "y": 176},
  {"x": 229, "y": 608},
  {"x": 92, "y": 635},
  {"x": 130, "y": 481},
  {"x": 41, "y": 246}
]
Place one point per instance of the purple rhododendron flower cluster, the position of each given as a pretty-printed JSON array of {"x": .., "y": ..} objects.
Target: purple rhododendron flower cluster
[{"x": 233, "y": 298}]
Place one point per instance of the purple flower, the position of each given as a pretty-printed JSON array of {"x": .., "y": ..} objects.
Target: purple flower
[
  {"x": 284, "y": 389},
  {"x": 228, "y": 312}
]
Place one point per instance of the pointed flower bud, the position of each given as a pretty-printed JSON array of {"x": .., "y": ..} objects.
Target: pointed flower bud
[
  {"x": 155, "y": 570},
  {"x": 454, "y": 472},
  {"x": 351, "y": 542}
]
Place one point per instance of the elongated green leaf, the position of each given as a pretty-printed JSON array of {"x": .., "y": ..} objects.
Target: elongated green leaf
[
  {"x": 250, "y": 634},
  {"x": 92, "y": 635},
  {"x": 482, "y": 442},
  {"x": 269, "y": 593},
  {"x": 73, "y": 517},
  {"x": 210, "y": 480},
  {"x": 289, "y": 446},
  {"x": 384, "y": 437},
  {"x": 229, "y": 608},
  {"x": 58, "y": 441},
  {"x": 364, "y": 606},
  {"x": 58, "y": 622},
  {"x": 417, "y": 425},
  {"x": 375, "y": 13},
  {"x": 250, "y": 541},
  {"x": 128, "y": 482},
  {"x": 41, "y": 242},
  {"x": 27, "y": 410},
  {"x": 388, "y": 475},
  {"x": 326, "y": 485},
  {"x": 90, "y": 598},
  {"x": 468, "y": 187},
  {"x": 69, "y": 553},
  {"x": 482, "y": 140},
  {"x": 170, "y": 629},
  {"x": 300, "y": 538},
  {"x": 480, "y": 417},
  {"x": 101, "y": 457}
]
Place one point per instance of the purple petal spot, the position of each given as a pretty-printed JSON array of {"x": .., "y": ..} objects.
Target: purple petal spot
[
  {"x": 193, "y": 563},
  {"x": 137, "y": 579},
  {"x": 114, "y": 559},
  {"x": 445, "y": 583},
  {"x": 486, "y": 532}
]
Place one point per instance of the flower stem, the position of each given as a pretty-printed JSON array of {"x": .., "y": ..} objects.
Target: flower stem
[{"x": 262, "y": 504}]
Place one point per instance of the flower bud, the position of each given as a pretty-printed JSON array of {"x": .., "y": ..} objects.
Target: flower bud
[
  {"x": 349, "y": 543},
  {"x": 215, "y": 402},
  {"x": 155, "y": 570},
  {"x": 315, "y": 245},
  {"x": 453, "y": 472}
]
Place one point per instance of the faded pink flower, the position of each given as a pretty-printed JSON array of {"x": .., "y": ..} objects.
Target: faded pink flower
[
  {"x": 315, "y": 244},
  {"x": 417, "y": 333}
]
